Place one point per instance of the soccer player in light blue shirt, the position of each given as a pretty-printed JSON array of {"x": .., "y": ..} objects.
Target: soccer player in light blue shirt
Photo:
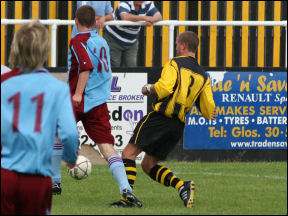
[
  {"x": 34, "y": 107},
  {"x": 89, "y": 79},
  {"x": 103, "y": 10}
]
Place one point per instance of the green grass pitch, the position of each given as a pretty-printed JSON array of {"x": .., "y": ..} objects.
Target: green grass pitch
[{"x": 222, "y": 188}]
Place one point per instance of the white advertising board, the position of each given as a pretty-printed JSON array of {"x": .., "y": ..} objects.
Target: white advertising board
[{"x": 127, "y": 106}]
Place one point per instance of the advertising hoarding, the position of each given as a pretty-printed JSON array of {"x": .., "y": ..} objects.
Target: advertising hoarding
[
  {"x": 252, "y": 113},
  {"x": 126, "y": 107}
]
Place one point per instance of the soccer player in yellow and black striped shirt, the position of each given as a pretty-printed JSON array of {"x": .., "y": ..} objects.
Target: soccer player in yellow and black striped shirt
[{"x": 182, "y": 83}]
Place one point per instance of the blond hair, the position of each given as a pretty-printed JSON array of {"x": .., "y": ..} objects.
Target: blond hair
[{"x": 30, "y": 47}]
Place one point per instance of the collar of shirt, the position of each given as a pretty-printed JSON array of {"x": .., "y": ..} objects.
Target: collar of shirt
[{"x": 92, "y": 32}]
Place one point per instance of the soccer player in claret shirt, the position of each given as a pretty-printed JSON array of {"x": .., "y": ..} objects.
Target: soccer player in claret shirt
[
  {"x": 89, "y": 78},
  {"x": 34, "y": 107}
]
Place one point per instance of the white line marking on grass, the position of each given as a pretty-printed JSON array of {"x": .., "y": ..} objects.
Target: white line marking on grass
[{"x": 230, "y": 175}]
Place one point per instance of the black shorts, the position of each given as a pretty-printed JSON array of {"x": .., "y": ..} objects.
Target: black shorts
[{"x": 157, "y": 134}]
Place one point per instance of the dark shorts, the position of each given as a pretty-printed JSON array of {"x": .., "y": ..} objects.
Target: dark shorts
[
  {"x": 157, "y": 134},
  {"x": 96, "y": 124},
  {"x": 25, "y": 194}
]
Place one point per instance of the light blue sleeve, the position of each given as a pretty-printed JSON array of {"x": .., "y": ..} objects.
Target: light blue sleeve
[
  {"x": 79, "y": 3},
  {"x": 67, "y": 129},
  {"x": 108, "y": 8}
]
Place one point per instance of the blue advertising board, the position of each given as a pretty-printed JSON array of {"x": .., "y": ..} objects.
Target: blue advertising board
[{"x": 252, "y": 113}]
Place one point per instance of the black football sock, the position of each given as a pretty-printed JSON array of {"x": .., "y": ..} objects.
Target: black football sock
[
  {"x": 131, "y": 171},
  {"x": 165, "y": 176}
]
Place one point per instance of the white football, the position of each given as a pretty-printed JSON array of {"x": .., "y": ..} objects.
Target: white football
[{"x": 82, "y": 168}]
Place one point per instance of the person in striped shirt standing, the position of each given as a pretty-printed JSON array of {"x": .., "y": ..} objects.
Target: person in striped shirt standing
[{"x": 123, "y": 40}]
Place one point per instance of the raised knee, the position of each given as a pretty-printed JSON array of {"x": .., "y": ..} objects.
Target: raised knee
[
  {"x": 131, "y": 151},
  {"x": 128, "y": 154}
]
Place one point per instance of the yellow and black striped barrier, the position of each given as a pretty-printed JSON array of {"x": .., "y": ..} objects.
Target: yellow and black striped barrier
[{"x": 219, "y": 46}]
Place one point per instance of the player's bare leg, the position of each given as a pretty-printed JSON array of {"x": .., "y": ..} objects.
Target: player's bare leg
[
  {"x": 131, "y": 151},
  {"x": 148, "y": 163},
  {"x": 107, "y": 150}
]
